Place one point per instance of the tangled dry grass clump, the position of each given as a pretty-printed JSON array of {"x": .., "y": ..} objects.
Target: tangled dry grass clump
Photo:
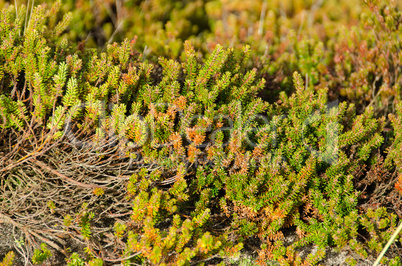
[{"x": 43, "y": 194}]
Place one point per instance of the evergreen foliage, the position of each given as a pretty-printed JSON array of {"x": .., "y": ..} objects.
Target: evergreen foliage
[
  {"x": 8, "y": 259},
  {"x": 178, "y": 160},
  {"x": 42, "y": 254}
]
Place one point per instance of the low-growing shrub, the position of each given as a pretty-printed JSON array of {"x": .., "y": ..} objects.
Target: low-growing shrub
[{"x": 107, "y": 158}]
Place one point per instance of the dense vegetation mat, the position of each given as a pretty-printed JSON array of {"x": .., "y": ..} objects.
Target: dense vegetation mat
[{"x": 272, "y": 132}]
